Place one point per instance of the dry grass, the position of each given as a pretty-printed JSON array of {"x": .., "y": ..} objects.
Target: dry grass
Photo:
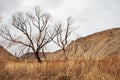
[{"x": 60, "y": 70}]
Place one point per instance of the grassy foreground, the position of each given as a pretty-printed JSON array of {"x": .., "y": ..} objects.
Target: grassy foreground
[{"x": 61, "y": 70}]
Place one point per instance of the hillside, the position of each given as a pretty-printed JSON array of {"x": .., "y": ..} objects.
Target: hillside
[
  {"x": 5, "y": 55},
  {"x": 103, "y": 47},
  {"x": 96, "y": 46}
]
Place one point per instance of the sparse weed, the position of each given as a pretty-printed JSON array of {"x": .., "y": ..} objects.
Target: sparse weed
[{"x": 60, "y": 70}]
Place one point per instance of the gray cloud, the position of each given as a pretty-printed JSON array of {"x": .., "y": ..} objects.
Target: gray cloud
[
  {"x": 7, "y": 5},
  {"x": 91, "y": 15},
  {"x": 52, "y": 3}
]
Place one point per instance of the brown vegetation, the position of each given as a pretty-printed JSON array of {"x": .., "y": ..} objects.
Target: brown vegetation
[{"x": 61, "y": 70}]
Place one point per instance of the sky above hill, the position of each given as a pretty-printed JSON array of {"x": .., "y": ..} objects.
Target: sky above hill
[{"x": 90, "y": 15}]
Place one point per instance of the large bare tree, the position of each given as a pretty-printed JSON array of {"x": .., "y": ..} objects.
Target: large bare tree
[
  {"x": 29, "y": 24},
  {"x": 62, "y": 38}
]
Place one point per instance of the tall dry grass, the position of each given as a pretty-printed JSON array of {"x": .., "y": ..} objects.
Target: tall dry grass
[{"x": 108, "y": 69}]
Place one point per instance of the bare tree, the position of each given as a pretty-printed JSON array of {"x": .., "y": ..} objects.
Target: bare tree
[
  {"x": 62, "y": 37},
  {"x": 28, "y": 24}
]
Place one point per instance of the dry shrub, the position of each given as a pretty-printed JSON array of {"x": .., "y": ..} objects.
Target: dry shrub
[
  {"x": 2, "y": 70},
  {"x": 62, "y": 70}
]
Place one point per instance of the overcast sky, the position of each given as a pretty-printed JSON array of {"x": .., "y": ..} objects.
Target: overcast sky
[{"x": 91, "y": 15}]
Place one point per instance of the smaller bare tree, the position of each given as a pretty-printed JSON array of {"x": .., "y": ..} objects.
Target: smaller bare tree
[{"x": 62, "y": 38}]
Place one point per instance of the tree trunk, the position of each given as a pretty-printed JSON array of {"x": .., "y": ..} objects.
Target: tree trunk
[
  {"x": 38, "y": 57},
  {"x": 44, "y": 55},
  {"x": 64, "y": 51}
]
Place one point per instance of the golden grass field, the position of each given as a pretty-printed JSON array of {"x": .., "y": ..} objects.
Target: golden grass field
[
  {"x": 108, "y": 69},
  {"x": 103, "y": 50}
]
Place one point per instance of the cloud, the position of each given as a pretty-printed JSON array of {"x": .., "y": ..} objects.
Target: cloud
[
  {"x": 8, "y": 5},
  {"x": 52, "y": 3},
  {"x": 94, "y": 15}
]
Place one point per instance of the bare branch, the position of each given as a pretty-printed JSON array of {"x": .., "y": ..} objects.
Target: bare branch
[
  {"x": 62, "y": 37},
  {"x": 25, "y": 24}
]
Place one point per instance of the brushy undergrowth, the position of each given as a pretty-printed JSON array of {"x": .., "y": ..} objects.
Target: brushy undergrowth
[{"x": 61, "y": 70}]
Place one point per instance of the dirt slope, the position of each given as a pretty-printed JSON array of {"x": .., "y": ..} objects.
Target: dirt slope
[
  {"x": 97, "y": 46},
  {"x": 5, "y": 55}
]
